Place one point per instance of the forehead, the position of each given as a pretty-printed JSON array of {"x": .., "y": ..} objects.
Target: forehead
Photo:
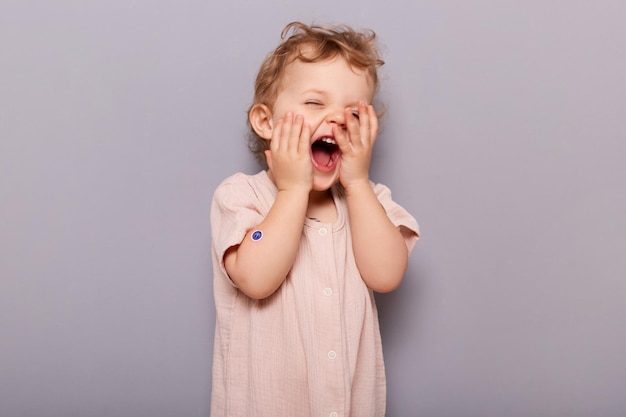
[{"x": 332, "y": 75}]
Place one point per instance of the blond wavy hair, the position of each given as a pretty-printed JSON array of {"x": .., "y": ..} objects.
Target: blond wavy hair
[{"x": 322, "y": 43}]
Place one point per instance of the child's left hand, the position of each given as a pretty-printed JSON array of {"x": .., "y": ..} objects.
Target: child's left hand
[{"x": 356, "y": 143}]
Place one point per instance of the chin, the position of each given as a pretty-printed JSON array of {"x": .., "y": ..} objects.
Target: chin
[{"x": 323, "y": 182}]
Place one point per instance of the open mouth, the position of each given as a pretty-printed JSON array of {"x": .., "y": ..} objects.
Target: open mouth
[{"x": 325, "y": 153}]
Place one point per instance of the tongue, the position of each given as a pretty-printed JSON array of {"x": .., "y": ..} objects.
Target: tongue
[{"x": 321, "y": 157}]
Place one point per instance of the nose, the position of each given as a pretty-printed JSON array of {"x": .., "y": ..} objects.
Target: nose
[{"x": 337, "y": 117}]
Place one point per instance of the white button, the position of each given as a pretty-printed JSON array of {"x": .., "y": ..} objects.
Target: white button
[
  {"x": 323, "y": 231},
  {"x": 332, "y": 354},
  {"x": 333, "y": 414},
  {"x": 328, "y": 291}
]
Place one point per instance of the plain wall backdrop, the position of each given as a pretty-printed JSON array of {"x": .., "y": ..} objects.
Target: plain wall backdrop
[{"x": 505, "y": 136}]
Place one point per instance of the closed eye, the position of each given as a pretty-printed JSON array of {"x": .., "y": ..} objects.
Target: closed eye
[
  {"x": 313, "y": 103},
  {"x": 355, "y": 113}
]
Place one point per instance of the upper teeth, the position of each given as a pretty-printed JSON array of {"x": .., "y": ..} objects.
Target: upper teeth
[{"x": 329, "y": 140}]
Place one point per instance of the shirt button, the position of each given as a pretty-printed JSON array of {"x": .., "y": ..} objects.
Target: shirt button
[
  {"x": 333, "y": 414},
  {"x": 328, "y": 291},
  {"x": 332, "y": 354},
  {"x": 323, "y": 231}
]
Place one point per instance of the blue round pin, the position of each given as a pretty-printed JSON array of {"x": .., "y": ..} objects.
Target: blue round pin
[{"x": 256, "y": 235}]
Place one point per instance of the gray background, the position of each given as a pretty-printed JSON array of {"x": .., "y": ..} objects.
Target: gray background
[{"x": 505, "y": 136}]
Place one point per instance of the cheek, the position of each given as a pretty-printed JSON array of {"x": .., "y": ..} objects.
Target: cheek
[{"x": 313, "y": 118}]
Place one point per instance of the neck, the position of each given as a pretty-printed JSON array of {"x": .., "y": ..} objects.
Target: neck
[{"x": 321, "y": 206}]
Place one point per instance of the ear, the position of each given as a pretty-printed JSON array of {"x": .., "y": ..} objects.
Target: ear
[{"x": 260, "y": 118}]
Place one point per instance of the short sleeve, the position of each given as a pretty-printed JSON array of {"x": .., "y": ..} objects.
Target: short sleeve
[
  {"x": 398, "y": 215},
  {"x": 234, "y": 211}
]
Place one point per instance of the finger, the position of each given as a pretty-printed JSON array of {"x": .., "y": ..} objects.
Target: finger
[
  {"x": 304, "y": 143},
  {"x": 275, "y": 141},
  {"x": 373, "y": 123},
  {"x": 364, "y": 123},
  {"x": 294, "y": 135},
  {"x": 342, "y": 140},
  {"x": 353, "y": 127},
  {"x": 286, "y": 132}
]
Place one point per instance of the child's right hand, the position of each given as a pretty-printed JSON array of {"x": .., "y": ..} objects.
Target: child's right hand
[{"x": 289, "y": 157}]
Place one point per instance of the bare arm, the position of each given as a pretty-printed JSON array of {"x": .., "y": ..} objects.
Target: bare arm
[
  {"x": 379, "y": 248},
  {"x": 258, "y": 267}
]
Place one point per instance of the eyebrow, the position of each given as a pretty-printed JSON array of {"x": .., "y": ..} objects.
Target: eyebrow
[
  {"x": 324, "y": 94},
  {"x": 315, "y": 91}
]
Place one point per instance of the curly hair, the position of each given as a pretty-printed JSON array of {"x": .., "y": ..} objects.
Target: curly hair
[{"x": 322, "y": 43}]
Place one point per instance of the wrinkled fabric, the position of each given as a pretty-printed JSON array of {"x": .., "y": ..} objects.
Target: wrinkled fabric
[{"x": 312, "y": 348}]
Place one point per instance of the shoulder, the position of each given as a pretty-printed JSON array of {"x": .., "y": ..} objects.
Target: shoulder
[
  {"x": 244, "y": 191},
  {"x": 243, "y": 183},
  {"x": 398, "y": 214},
  {"x": 237, "y": 180},
  {"x": 383, "y": 193},
  {"x": 380, "y": 189}
]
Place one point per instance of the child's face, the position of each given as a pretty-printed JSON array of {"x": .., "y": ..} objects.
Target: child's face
[{"x": 320, "y": 92}]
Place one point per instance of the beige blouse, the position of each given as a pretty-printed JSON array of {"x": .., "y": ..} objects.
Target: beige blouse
[{"x": 312, "y": 348}]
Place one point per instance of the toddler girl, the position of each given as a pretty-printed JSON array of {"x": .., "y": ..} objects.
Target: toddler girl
[{"x": 299, "y": 248}]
